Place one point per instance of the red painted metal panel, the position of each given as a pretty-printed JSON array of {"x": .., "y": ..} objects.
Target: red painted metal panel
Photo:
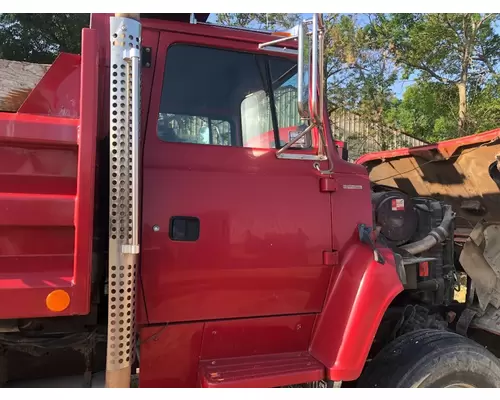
[
  {"x": 170, "y": 355},
  {"x": 19, "y": 241},
  {"x": 34, "y": 287},
  {"x": 84, "y": 206},
  {"x": 353, "y": 310},
  {"x": 58, "y": 92},
  {"x": 272, "y": 370},
  {"x": 38, "y": 175},
  {"x": 38, "y": 130},
  {"x": 32, "y": 170},
  {"x": 31, "y": 293},
  {"x": 36, "y": 210},
  {"x": 46, "y": 198},
  {"x": 254, "y": 257},
  {"x": 36, "y": 265},
  {"x": 446, "y": 148},
  {"x": 213, "y": 32},
  {"x": 351, "y": 206},
  {"x": 256, "y": 336}
]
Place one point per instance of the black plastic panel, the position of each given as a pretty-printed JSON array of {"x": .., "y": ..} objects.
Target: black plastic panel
[{"x": 184, "y": 229}]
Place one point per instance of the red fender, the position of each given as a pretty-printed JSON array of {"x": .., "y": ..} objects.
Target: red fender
[{"x": 354, "y": 307}]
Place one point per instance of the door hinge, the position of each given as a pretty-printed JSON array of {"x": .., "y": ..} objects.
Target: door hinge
[
  {"x": 146, "y": 57},
  {"x": 327, "y": 185},
  {"x": 331, "y": 257}
]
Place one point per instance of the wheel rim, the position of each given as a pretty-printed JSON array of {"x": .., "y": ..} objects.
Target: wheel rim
[{"x": 460, "y": 385}]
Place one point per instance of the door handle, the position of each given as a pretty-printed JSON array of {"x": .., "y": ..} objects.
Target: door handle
[{"x": 184, "y": 229}]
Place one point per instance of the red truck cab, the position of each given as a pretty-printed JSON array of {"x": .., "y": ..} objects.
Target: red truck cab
[{"x": 246, "y": 257}]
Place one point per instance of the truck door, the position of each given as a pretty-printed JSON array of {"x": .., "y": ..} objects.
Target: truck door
[{"x": 229, "y": 230}]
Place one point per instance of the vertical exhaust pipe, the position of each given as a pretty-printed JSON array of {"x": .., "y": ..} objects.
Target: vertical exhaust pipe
[{"x": 124, "y": 129}]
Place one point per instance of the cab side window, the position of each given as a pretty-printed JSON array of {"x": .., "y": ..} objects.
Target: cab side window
[
  {"x": 193, "y": 129},
  {"x": 227, "y": 98}
]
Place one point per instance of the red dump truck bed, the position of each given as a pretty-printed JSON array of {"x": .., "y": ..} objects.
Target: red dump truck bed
[
  {"x": 461, "y": 171},
  {"x": 47, "y": 167}
]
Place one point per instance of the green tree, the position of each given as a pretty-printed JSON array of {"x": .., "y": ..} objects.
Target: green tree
[
  {"x": 428, "y": 110},
  {"x": 360, "y": 77},
  {"x": 40, "y": 37},
  {"x": 460, "y": 50},
  {"x": 485, "y": 107},
  {"x": 358, "y": 74}
]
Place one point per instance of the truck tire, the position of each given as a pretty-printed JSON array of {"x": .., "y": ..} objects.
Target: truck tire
[{"x": 432, "y": 359}]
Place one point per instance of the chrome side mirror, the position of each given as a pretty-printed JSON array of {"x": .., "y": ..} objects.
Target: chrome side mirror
[
  {"x": 303, "y": 70},
  {"x": 310, "y": 69}
]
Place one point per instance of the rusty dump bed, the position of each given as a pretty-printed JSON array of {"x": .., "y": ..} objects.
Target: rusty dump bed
[{"x": 462, "y": 172}]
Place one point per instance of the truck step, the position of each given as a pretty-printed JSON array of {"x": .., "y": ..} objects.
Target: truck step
[{"x": 270, "y": 370}]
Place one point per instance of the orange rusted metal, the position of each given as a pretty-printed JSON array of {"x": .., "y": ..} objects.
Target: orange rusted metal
[{"x": 456, "y": 171}]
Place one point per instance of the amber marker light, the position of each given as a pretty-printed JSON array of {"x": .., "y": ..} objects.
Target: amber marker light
[
  {"x": 284, "y": 34},
  {"x": 57, "y": 301}
]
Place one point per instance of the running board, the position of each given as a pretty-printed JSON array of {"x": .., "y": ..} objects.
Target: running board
[{"x": 270, "y": 370}]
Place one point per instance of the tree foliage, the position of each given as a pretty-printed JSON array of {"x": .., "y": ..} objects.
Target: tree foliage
[
  {"x": 429, "y": 110},
  {"x": 453, "y": 59},
  {"x": 359, "y": 76},
  {"x": 455, "y": 50},
  {"x": 40, "y": 37}
]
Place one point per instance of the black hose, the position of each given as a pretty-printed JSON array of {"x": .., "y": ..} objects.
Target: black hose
[{"x": 435, "y": 236}]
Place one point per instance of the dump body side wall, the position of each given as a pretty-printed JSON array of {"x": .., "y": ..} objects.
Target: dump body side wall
[{"x": 47, "y": 167}]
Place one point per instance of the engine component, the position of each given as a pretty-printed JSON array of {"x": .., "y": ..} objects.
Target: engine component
[
  {"x": 435, "y": 236},
  {"x": 436, "y": 279},
  {"x": 419, "y": 230},
  {"x": 395, "y": 215}
]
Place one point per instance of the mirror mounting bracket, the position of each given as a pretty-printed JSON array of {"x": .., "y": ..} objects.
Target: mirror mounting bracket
[
  {"x": 307, "y": 58},
  {"x": 277, "y": 41},
  {"x": 287, "y": 156},
  {"x": 271, "y": 46}
]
